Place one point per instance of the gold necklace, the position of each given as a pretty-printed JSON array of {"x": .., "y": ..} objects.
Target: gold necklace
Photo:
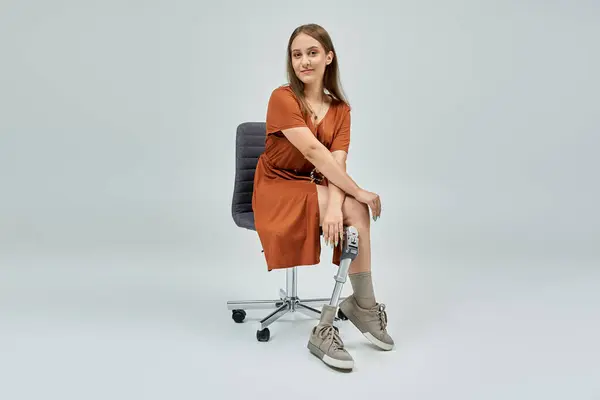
[{"x": 316, "y": 116}]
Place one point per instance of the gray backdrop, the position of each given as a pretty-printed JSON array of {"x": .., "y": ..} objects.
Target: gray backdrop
[{"x": 476, "y": 122}]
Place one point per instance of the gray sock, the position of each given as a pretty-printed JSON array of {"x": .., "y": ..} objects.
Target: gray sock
[
  {"x": 327, "y": 315},
  {"x": 363, "y": 289}
]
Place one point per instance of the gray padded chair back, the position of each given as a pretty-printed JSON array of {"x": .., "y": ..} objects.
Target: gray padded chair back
[{"x": 249, "y": 145}]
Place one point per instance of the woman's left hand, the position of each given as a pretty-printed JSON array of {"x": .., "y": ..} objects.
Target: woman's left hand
[{"x": 333, "y": 226}]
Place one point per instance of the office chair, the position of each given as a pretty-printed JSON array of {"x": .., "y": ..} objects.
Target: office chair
[{"x": 250, "y": 144}]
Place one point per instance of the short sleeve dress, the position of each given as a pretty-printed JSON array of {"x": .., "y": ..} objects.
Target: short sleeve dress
[{"x": 285, "y": 200}]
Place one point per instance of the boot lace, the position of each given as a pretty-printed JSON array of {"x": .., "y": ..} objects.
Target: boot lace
[
  {"x": 331, "y": 332},
  {"x": 382, "y": 314}
]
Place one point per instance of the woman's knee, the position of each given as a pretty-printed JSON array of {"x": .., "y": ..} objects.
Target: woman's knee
[{"x": 355, "y": 213}]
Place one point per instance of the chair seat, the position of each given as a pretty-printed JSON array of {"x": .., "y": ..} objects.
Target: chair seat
[{"x": 245, "y": 220}]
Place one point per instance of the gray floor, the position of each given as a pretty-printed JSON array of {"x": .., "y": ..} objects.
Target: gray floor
[{"x": 155, "y": 326}]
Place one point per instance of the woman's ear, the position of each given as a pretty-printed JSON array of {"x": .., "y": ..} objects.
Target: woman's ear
[{"x": 329, "y": 58}]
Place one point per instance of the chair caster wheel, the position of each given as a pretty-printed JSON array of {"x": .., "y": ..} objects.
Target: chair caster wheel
[
  {"x": 264, "y": 335},
  {"x": 341, "y": 315},
  {"x": 238, "y": 315}
]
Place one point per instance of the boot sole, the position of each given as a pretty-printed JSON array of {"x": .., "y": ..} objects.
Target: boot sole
[
  {"x": 377, "y": 342},
  {"x": 332, "y": 362}
]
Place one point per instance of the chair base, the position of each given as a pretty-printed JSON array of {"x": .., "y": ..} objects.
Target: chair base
[{"x": 288, "y": 302}]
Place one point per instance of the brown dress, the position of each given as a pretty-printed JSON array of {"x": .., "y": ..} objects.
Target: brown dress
[{"x": 285, "y": 201}]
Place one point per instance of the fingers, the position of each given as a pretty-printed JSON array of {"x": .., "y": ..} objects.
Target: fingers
[
  {"x": 376, "y": 208},
  {"x": 326, "y": 233},
  {"x": 333, "y": 233},
  {"x": 329, "y": 233}
]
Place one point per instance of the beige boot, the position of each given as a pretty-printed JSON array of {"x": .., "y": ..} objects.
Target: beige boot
[
  {"x": 326, "y": 344},
  {"x": 372, "y": 322}
]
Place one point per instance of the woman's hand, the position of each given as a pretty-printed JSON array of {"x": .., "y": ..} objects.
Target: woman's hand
[
  {"x": 333, "y": 225},
  {"x": 372, "y": 200}
]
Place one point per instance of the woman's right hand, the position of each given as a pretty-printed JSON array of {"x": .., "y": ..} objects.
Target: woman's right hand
[{"x": 372, "y": 200}]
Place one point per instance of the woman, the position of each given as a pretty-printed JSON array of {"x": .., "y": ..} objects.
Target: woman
[{"x": 301, "y": 189}]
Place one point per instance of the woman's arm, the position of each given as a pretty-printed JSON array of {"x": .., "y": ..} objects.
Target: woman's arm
[
  {"x": 323, "y": 160},
  {"x": 319, "y": 156},
  {"x": 337, "y": 195}
]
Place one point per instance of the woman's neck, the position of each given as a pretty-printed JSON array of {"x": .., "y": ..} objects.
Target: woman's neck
[{"x": 314, "y": 93}]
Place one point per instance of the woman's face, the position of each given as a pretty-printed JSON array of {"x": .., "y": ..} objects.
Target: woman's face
[{"x": 309, "y": 58}]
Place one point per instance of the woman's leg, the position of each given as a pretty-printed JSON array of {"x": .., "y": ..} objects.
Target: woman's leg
[{"x": 360, "y": 308}]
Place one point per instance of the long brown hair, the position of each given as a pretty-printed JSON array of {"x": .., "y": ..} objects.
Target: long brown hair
[{"x": 331, "y": 78}]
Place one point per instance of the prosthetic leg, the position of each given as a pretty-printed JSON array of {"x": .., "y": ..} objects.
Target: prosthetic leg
[
  {"x": 325, "y": 342},
  {"x": 349, "y": 253}
]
